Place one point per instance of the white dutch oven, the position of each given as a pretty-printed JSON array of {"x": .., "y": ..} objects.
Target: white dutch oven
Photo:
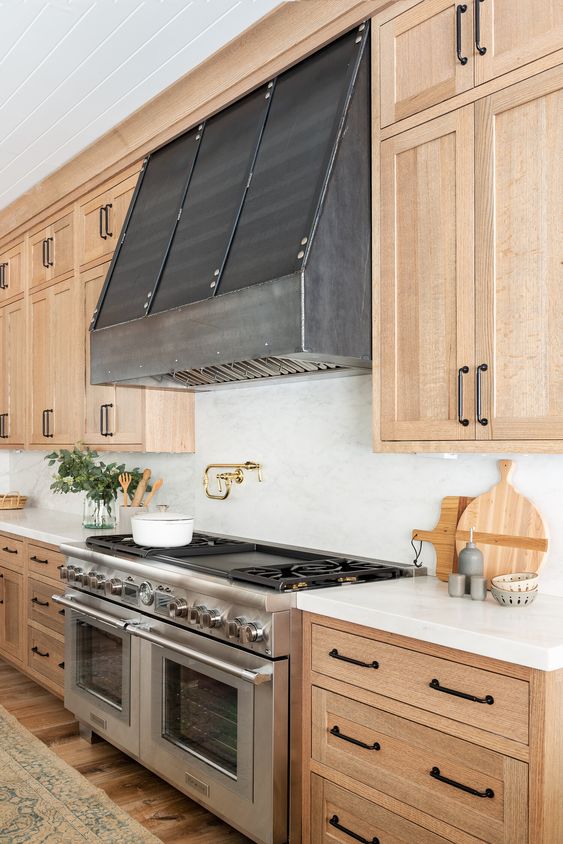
[{"x": 162, "y": 530}]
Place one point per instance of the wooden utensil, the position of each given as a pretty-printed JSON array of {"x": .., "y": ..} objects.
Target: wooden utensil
[
  {"x": 155, "y": 487},
  {"x": 125, "y": 481},
  {"x": 509, "y": 529},
  {"x": 442, "y": 536},
  {"x": 140, "y": 491}
]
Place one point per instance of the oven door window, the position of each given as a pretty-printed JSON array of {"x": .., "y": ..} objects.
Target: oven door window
[
  {"x": 100, "y": 663},
  {"x": 207, "y": 714}
]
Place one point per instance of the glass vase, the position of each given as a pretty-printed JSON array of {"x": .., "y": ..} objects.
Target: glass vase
[{"x": 99, "y": 515}]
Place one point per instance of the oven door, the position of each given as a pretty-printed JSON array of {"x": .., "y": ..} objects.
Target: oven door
[
  {"x": 209, "y": 725},
  {"x": 102, "y": 669}
]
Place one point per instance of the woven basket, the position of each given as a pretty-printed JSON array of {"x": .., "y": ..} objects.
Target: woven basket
[{"x": 12, "y": 501}]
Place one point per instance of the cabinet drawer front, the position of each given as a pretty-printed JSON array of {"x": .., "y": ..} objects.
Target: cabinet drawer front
[
  {"x": 46, "y": 655},
  {"x": 11, "y": 551},
  {"x": 406, "y": 760},
  {"x": 43, "y": 560},
  {"x": 407, "y": 676},
  {"x": 41, "y": 607},
  {"x": 358, "y": 819}
]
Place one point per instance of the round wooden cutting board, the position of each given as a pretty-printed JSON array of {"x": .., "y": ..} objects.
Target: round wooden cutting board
[{"x": 509, "y": 529}]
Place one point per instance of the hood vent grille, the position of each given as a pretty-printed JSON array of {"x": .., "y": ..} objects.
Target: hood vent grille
[{"x": 251, "y": 370}]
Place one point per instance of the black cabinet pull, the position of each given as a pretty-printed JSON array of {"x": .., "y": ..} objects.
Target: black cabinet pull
[
  {"x": 50, "y": 259},
  {"x": 3, "y": 282},
  {"x": 3, "y": 427},
  {"x": 435, "y": 684},
  {"x": 104, "y": 420},
  {"x": 460, "y": 10},
  {"x": 101, "y": 222},
  {"x": 45, "y": 423},
  {"x": 35, "y": 650},
  {"x": 106, "y": 215},
  {"x": 39, "y": 603},
  {"x": 335, "y": 731},
  {"x": 61, "y": 612},
  {"x": 39, "y": 560},
  {"x": 335, "y": 822},
  {"x": 481, "y": 368},
  {"x": 480, "y": 50},
  {"x": 9, "y": 551},
  {"x": 335, "y": 655},
  {"x": 488, "y": 792},
  {"x": 463, "y": 370},
  {"x": 45, "y": 261},
  {"x": 62, "y": 665}
]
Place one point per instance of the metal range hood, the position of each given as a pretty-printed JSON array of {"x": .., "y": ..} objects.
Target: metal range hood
[{"x": 246, "y": 251}]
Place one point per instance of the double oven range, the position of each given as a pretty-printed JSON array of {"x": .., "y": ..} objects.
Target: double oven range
[{"x": 181, "y": 658}]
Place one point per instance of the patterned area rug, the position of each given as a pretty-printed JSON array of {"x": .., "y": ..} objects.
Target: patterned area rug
[{"x": 45, "y": 801}]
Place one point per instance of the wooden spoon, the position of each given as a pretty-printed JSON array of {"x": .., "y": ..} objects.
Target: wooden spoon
[
  {"x": 125, "y": 481},
  {"x": 155, "y": 487},
  {"x": 140, "y": 491}
]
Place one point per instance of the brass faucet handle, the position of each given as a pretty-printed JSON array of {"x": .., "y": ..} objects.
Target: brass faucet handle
[{"x": 251, "y": 465}]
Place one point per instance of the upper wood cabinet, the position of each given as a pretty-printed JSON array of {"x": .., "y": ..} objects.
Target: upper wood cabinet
[
  {"x": 427, "y": 315},
  {"x": 11, "y": 271},
  {"x": 12, "y": 374},
  {"x": 440, "y": 48},
  {"x": 101, "y": 217},
  {"x": 519, "y": 259},
  {"x": 51, "y": 251},
  {"x": 503, "y": 321},
  {"x": 55, "y": 343}
]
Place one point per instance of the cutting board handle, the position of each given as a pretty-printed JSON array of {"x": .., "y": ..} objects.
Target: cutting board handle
[{"x": 505, "y": 469}]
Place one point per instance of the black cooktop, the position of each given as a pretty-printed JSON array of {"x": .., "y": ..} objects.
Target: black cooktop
[{"x": 282, "y": 569}]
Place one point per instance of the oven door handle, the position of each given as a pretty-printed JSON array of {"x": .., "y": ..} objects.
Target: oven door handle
[
  {"x": 68, "y": 601},
  {"x": 256, "y": 678}
]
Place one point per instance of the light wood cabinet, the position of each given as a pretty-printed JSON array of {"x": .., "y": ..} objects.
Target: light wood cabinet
[
  {"x": 474, "y": 353},
  {"x": 427, "y": 280},
  {"x": 390, "y": 755},
  {"x": 51, "y": 251},
  {"x": 11, "y": 271},
  {"x": 56, "y": 365},
  {"x": 101, "y": 217},
  {"x": 11, "y": 614},
  {"x": 519, "y": 259},
  {"x": 12, "y": 374},
  {"x": 440, "y": 48}
]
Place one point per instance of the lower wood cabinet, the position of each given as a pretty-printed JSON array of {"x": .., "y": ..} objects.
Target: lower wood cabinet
[
  {"x": 391, "y": 755},
  {"x": 45, "y": 657},
  {"x": 12, "y": 628}
]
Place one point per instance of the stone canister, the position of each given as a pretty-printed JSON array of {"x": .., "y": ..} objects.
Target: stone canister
[{"x": 470, "y": 561}]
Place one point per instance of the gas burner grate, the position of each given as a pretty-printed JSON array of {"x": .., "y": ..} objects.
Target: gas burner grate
[
  {"x": 201, "y": 544},
  {"x": 315, "y": 574}
]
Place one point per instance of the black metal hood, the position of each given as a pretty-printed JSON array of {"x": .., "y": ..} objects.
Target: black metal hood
[{"x": 246, "y": 251}]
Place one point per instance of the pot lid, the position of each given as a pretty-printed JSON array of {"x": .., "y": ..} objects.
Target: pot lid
[{"x": 161, "y": 517}]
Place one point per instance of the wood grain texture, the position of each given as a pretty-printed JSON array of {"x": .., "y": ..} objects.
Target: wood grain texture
[
  {"x": 443, "y": 535},
  {"x": 505, "y": 512},
  {"x": 168, "y": 814}
]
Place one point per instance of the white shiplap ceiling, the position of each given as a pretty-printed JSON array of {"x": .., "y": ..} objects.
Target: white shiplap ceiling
[{"x": 72, "y": 69}]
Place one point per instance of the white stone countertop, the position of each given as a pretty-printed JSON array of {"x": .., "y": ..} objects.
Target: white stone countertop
[
  {"x": 50, "y": 526},
  {"x": 420, "y": 607}
]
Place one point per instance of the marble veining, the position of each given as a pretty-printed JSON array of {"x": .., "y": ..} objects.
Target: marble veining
[{"x": 323, "y": 487}]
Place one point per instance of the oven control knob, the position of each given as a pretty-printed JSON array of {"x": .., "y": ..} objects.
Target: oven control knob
[
  {"x": 210, "y": 619},
  {"x": 234, "y": 626},
  {"x": 195, "y": 614},
  {"x": 251, "y": 632},
  {"x": 75, "y": 575},
  {"x": 97, "y": 581},
  {"x": 63, "y": 572},
  {"x": 146, "y": 593},
  {"x": 178, "y": 608},
  {"x": 113, "y": 586}
]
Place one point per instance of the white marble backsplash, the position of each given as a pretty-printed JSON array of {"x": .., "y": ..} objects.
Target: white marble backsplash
[
  {"x": 323, "y": 487},
  {"x": 5, "y": 472}
]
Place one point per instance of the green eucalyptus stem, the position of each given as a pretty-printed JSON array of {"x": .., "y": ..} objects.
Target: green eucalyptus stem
[{"x": 82, "y": 470}]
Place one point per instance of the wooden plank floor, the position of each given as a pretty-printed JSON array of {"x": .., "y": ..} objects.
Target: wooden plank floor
[{"x": 168, "y": 814}]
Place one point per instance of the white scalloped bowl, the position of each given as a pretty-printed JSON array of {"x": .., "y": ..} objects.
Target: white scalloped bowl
[
  {"x": 519, "y": 581},
  {"x": 513, "y": 599}
]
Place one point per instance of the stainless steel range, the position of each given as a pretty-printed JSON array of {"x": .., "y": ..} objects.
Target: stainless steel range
[{"x": 180, "y": 657}]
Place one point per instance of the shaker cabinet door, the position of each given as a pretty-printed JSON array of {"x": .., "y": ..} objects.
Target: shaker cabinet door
[
  {"x": 13, "y": 383},
  {"x": 519, "y": 260},
  {"x": 427, "y": 281},
  {"x": 12, "y": 625}
]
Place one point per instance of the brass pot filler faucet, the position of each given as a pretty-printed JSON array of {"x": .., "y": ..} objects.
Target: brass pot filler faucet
[{"x": 225, "y": 480}]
